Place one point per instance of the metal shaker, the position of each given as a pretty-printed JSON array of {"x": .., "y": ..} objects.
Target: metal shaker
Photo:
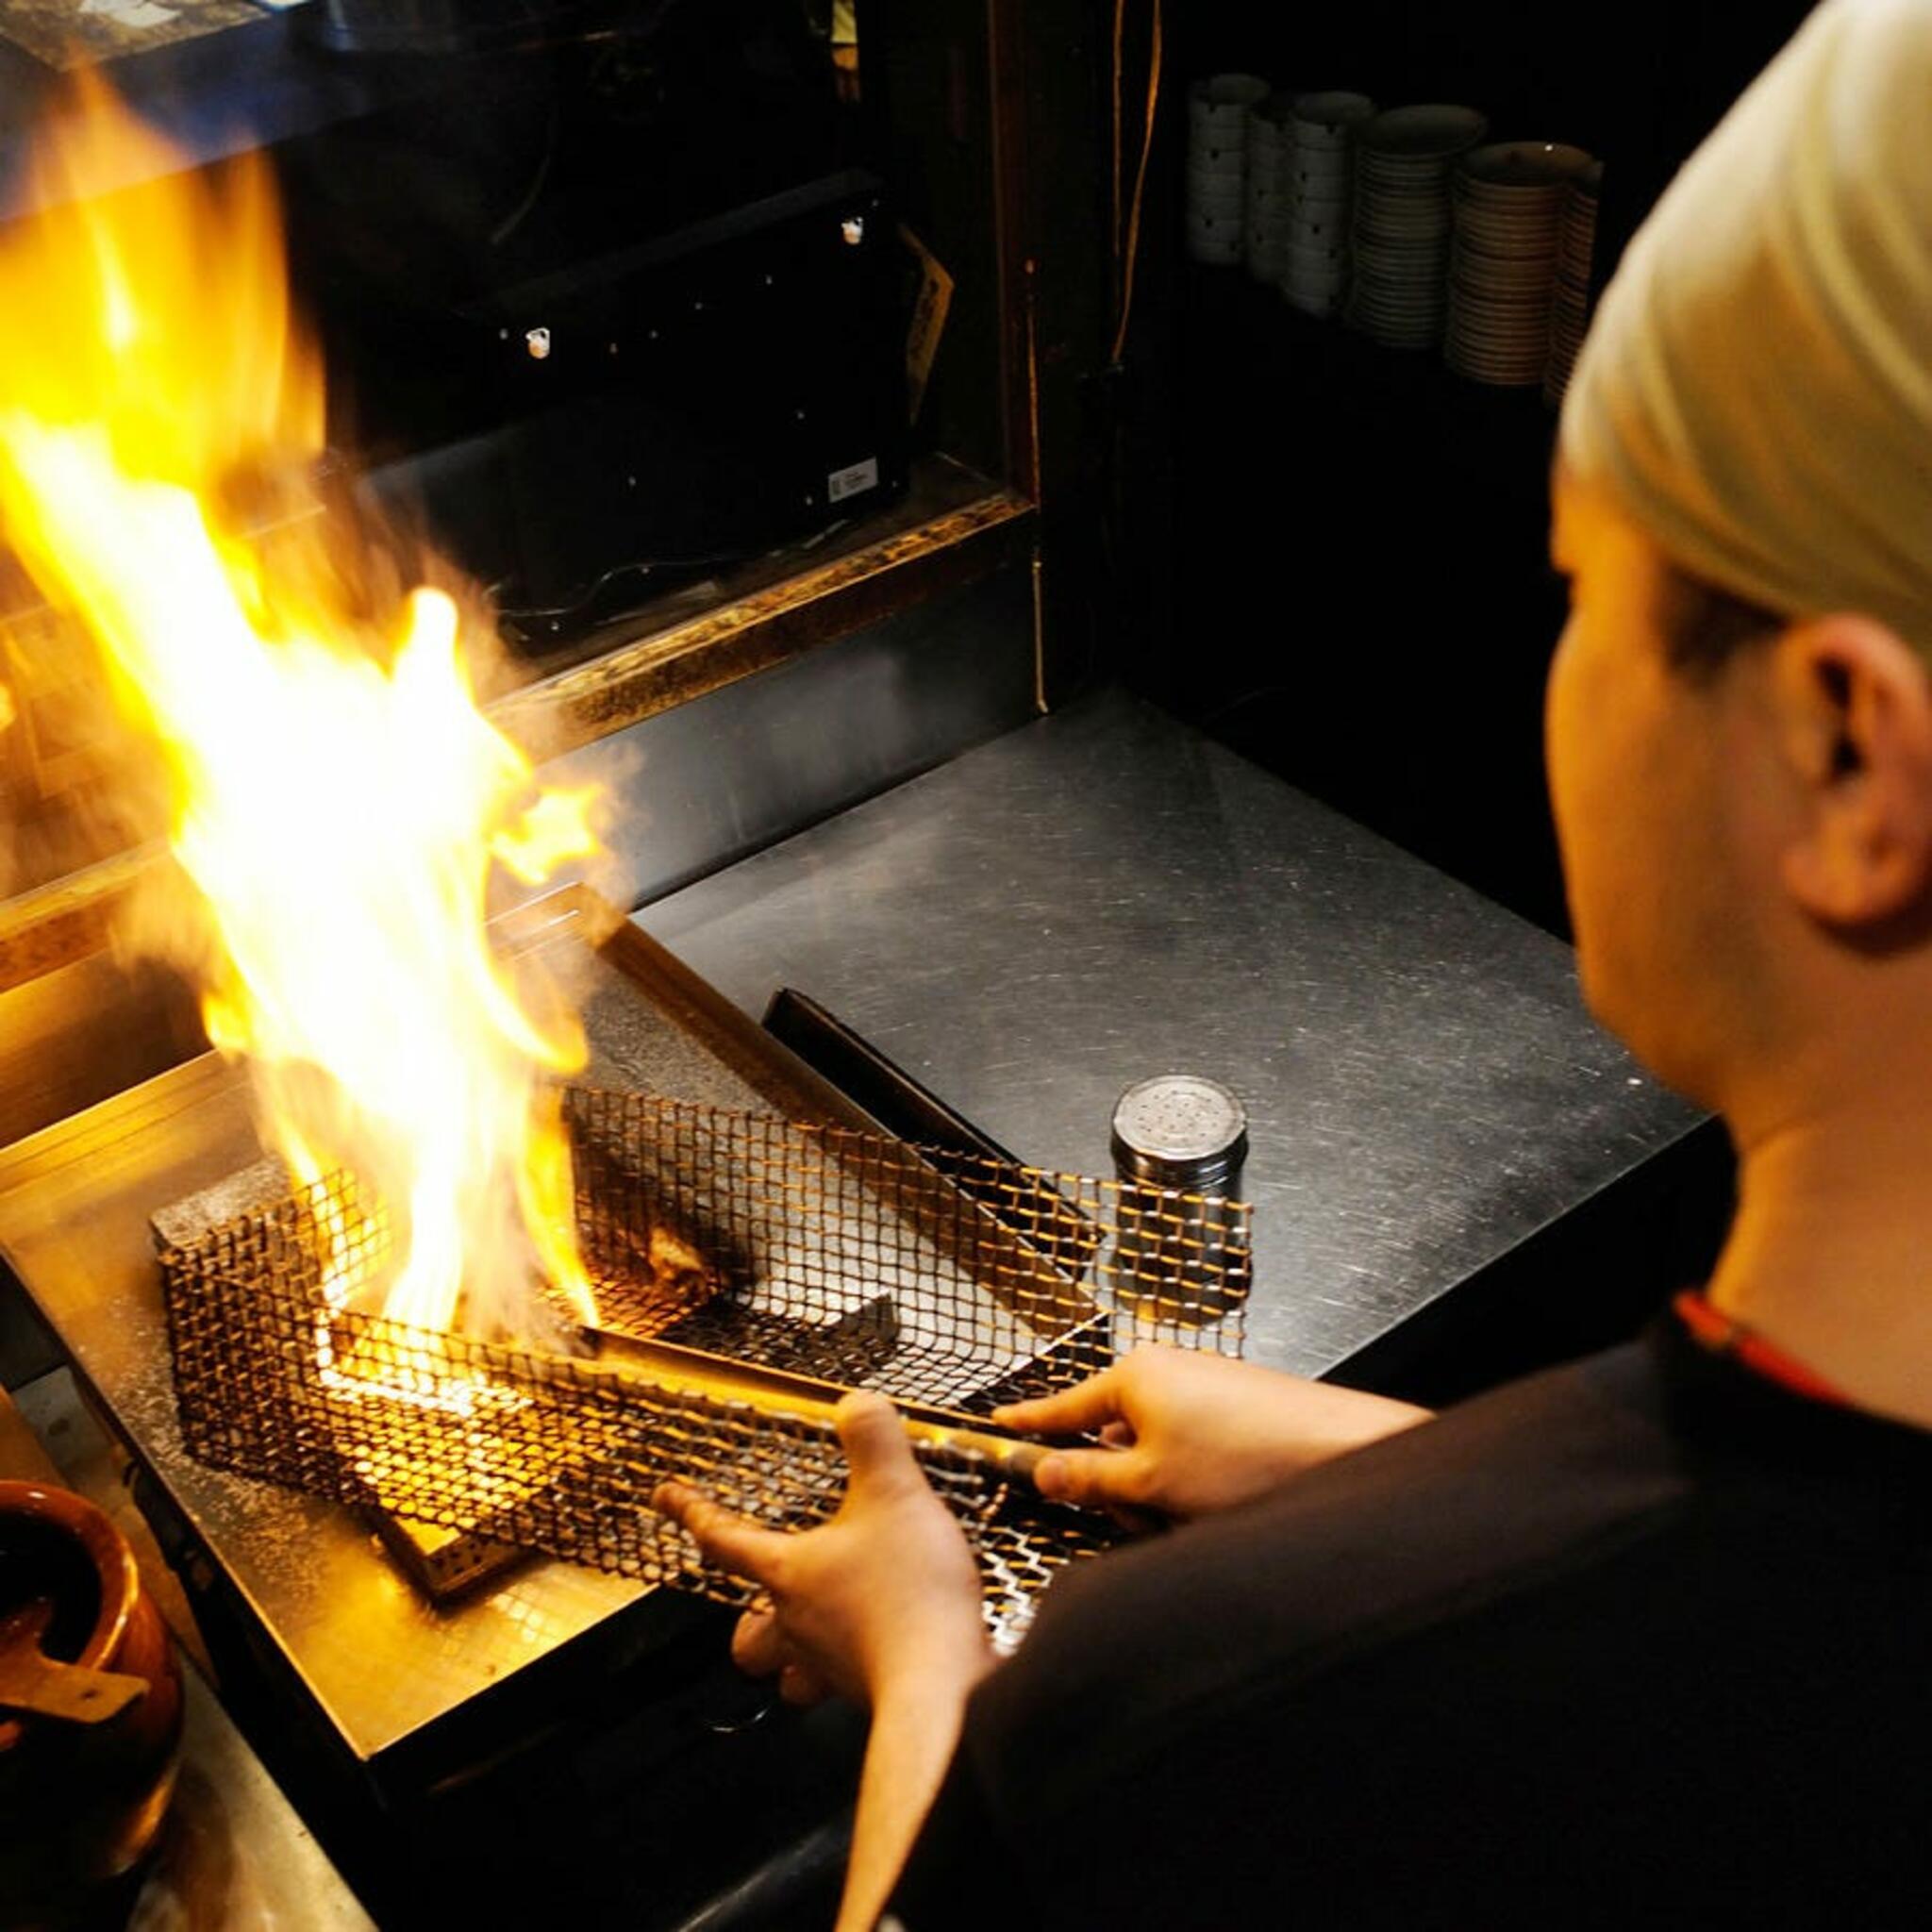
[{"x": 1182, "y": 1251}]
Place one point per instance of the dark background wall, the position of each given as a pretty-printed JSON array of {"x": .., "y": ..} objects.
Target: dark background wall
[{"x": 1333, "y": 556}]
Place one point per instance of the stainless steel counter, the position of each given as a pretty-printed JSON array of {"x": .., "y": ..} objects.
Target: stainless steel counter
[{"x": 1105, "y": 895}]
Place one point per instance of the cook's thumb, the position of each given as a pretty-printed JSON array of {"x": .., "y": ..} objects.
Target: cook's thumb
[
  {"x": 1096, "y": 1478},
  {"x": 876, "y": 1442}
]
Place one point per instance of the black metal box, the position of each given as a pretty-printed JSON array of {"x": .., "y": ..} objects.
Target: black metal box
[{"x": 690, "y": 400}]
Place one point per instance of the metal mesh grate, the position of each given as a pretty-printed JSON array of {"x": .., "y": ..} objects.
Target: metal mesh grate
[{"x": 843, "y": 1258}]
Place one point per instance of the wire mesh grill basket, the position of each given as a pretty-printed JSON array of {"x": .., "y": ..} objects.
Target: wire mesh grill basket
[{"x": 748, "y": 1270}]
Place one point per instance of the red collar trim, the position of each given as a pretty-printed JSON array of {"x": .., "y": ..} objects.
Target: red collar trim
[{"x": 1715, "y": 1330}]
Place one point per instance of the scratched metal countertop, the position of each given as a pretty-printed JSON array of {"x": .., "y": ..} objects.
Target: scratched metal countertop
[{"x": 1105, "y": 895}]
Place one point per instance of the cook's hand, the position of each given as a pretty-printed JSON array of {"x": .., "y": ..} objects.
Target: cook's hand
[
  {"x": 884, "y": 1593},
  {"x": 1185, "y": 1433}
]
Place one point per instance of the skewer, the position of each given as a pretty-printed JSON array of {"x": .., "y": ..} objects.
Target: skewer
[{"x": 780, "y": 1392}]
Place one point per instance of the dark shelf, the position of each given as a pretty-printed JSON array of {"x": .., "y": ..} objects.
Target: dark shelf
[{"x": 1365, "y": 604}]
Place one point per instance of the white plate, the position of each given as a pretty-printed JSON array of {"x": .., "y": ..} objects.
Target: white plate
[
  {"x": 1396, "y": 321},
  {"x": 1399, "y": 269},
  {"x": 1547, "y": 213},
  {"x": 1400, "y": 231},
  {"x": 1502, "y": 341},
  {"x": 1333, "y": 109},
  {"x": 1525, "y": 164},
  {"x": 1507, "y": 278},
  {"x": 1529, "y": 312},
  {"x": 1407, "y": 321},
  {"x": 1513, "y": 318},
  {"x": 1539, "y": 228},
  {"x": 1433, "y": 207},
  {"x": 1521, "y": 325},
  {"x": 1420, "y": 324},
  {"x": 1504, "y": 195},
  {"x": 1530, "y": 354},
  {"x": 1502, "y": 271},
  {"x": 1414, "y": 306},
  {"x": 1490, "y": 239},
  {"x": 1424, "y": 292},
  {"x": 1401, "y": 254},
  {"x": 1524, "y": 365},
  {"x": 1433, "y": 129},
  {"x": 1516, "y": 333},
  {"x": 1411, "y": 210},
  {"x": 1507, "y": 284}
]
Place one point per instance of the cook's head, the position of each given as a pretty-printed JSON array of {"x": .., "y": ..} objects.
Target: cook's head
[{"x": 1740, "y": 713}]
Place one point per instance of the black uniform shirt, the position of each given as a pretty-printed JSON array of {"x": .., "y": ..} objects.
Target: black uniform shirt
[{"x": 1643, "y": 1642}]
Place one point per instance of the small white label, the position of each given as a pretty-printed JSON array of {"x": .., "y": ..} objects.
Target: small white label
[{"x": 851, "y": 481}]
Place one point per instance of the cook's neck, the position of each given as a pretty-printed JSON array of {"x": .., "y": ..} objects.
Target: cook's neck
[{"x": 1830, "y": 1255}]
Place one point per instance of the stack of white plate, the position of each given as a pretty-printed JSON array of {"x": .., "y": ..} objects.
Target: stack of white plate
[
  {"x": 1570, "y": 286},
  {"x": 1218, "y": 164},
  {"x": 1320, "y": 186},
  {"x": 1397, "y": 290},
  {"x": 1270, "y": 148},
  {"x": 1509, "y": 200}
]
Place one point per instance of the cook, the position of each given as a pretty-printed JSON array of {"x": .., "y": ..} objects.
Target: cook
[{"x": 1647, "y": 1639}]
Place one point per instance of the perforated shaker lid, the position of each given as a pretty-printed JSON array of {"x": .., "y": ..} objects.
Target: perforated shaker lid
[{"x": 1179, "y": 1117}]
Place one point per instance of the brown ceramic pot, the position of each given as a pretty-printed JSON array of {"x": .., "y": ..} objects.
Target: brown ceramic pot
[{"x": 80, "y": 1805}]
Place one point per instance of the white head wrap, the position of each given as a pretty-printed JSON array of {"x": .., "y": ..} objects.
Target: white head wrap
[{"x": 1756, "y": 387}]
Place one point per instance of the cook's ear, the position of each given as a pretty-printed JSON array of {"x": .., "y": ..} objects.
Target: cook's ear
[{"x": 1853, "y": 711}]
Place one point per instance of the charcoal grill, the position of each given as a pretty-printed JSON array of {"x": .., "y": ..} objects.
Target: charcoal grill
[
  {"x": 409, "y": 1695},
  {"x": 749, "y": 1269}
]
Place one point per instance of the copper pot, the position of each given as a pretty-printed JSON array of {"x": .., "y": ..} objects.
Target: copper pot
[{"x": 80, "y": 1804}]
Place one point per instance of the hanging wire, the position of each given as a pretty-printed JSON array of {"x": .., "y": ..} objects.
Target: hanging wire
[{"x": 1129, "y": 252}]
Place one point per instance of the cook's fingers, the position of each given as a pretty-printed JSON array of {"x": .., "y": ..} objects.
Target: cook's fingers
[
  {"x": 801, "y": 1685},
  {"x": 875, "y": 1442},
  {"x": 1100, "y": 1478},
  {"x": 756, "y": 1648},
  {"x": 732, "y": 1542},
  {"x": 1088, "y": 1405}
]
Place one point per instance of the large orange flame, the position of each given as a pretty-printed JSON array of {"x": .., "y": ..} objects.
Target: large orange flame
[{"x": 333, "y": 793}]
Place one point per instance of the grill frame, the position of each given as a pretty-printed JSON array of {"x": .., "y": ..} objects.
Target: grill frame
[{"x": 1000, "y": 1280}]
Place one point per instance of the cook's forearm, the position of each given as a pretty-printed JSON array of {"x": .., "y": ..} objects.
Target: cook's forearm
[{"x": 915, "y": 1724}]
